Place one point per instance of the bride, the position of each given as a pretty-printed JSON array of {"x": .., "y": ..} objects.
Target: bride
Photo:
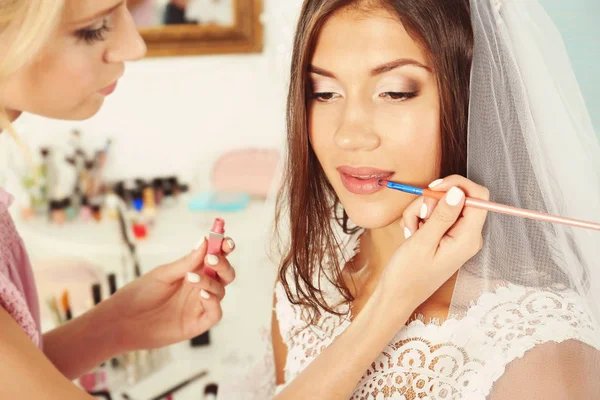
[{"x": 384, "y": 295}]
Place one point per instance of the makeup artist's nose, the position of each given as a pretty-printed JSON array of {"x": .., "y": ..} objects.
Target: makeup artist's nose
[
  {"x": 356, "y": 131},
  {"x": 127, "y": 45}
]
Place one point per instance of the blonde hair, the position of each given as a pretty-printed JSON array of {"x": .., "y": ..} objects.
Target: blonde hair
[{"x": 25, "y": 26}]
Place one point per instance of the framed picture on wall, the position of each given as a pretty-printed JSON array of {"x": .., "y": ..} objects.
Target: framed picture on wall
[{"x": 196, "y": 27}]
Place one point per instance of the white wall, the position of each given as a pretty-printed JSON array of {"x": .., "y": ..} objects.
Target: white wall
[{"x": 176, "y": 115}]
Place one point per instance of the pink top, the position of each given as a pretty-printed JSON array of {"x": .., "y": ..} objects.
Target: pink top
[
  {"x": 18, "y": 293},
  {"x": 145, "y": 14}
]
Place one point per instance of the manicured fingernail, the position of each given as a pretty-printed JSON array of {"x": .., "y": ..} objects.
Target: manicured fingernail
[
  {"x": 454, "y": 196},
  {"x": 407, "y": 233},
  {"x": 204, "y": 294},
  {"x": 424, "y": 210},
  {"x": 211, "y": 259},
  {"x": 193, "y": 278},
  {"x": 200, "y": 244},
  {"x": 231, "y": 244},
  {"x": 435, "y": 183}
]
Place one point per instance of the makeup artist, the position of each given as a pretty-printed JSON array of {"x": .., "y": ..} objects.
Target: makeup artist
[{"x": 59, "y": 59}]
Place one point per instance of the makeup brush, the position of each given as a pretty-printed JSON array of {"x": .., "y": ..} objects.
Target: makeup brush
[
  {"x": 66, "y": 306},
  {"x": 171, "y": 391},
  {"x": 53, "y": 307},
  {"x": 112, "y": 287},
  {"x": 129, "y": 242},
  {"x": 493, "y": 207}
]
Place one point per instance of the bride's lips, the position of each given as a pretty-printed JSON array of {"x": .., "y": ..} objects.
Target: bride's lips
[
  {"x": 363, "y": 180},
  {"x": 108, "y": 90}
]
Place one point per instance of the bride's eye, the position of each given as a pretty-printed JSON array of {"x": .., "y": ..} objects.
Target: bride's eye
[
  {"x": 324, "y": 97},
  {"x": 398, "y": 96}
]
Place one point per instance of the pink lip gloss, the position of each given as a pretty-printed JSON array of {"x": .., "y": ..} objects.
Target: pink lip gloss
[{"x": 215, "y": 244}]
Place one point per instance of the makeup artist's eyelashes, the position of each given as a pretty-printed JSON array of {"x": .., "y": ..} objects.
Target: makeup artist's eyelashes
[{"x": 94, "y": 33}]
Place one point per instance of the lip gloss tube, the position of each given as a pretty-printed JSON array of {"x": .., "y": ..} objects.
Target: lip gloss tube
[{"x": 215, "y": 244}]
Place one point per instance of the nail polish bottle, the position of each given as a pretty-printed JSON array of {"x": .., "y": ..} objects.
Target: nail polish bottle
[
  {"x": 58, "y": 213},
  {"x": 138, "y": 200},
  {"x": 70, "y": 210},
  {"x": 210, "y": 391},
  {"x": 149, "y": 210},
  {"x": 96, "y": 206},
  {"x": 140, "y": 231},
  {"x": 157, "y": 185},
  {"x": 201, "y": 340},
  {"x": 140, "y": 183},
  {"x": 86, "y": 178},
  {"x": 174, "y": 183},
  {"x": 111, "y": 204},
  {"x": 44, "y": 152},
  {"x": 168, "y": 199},
  {"x": 119, "y": 189},
  {"x": 54, "y": 209},
  {"x": 129, "y": 189},
  {"x": 85, "y": 211}
]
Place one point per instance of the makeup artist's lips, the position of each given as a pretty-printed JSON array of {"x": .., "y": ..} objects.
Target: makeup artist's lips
[
  {"x": 363, "y": 180},
  {"x": 108, "y": 90}
]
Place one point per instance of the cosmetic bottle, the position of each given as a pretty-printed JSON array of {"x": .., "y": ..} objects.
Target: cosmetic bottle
[
  {"x": 215, "y": 246},
  {"x": 210, "y": 391},
  {"x": 157, "y": 185}
]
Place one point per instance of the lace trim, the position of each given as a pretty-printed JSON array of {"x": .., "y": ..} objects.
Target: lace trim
[
  {"x": 440, "y": 360},
  {"x": 512, "y": 321}
]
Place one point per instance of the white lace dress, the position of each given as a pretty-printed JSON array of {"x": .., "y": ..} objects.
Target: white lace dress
[{"x": 457, "y": 359}]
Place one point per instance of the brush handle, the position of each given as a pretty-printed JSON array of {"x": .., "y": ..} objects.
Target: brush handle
[
  {"x": 183, "y": 384},
  {"x": 517, "y": 212}
]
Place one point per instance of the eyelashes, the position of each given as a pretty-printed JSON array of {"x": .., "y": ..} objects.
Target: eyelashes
[
  {"x": 399, "y": 96},
  {"x": 91, "y": 35},
  {"x": 324, "y": 97},
  {"x": 393, "y": 97}
]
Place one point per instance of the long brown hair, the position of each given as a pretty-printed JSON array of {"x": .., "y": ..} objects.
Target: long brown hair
[{"x": 443, "y": 28}]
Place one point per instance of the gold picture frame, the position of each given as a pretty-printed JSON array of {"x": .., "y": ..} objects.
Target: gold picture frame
[{"x": 244, "y": 36}]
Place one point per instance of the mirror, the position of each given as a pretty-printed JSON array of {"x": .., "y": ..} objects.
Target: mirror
[{"x": 195, "y": 27}]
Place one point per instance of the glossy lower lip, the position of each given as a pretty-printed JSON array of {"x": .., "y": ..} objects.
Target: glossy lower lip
[
  {"x": 108, "y": 90},
  {"x": 363, "y": 180}
]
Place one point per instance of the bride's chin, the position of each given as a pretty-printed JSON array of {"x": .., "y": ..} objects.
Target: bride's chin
[{"x": 372, "y": 219}]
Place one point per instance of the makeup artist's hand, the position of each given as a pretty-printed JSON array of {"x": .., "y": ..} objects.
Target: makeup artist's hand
[
  {"x": 173, "y": 302},
  {"x": 436, "y": 245},
  {"x": 421, "y": 209}
]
